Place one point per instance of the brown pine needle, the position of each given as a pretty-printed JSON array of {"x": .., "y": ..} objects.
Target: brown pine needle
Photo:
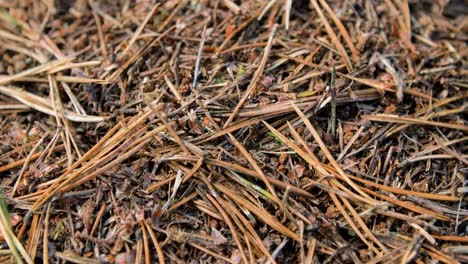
[
  {"x": 120, "y": 136},
  {"x": 412, "y": 121},
  {"x": 45, "y": 239},
  {"x": 13, "y": 243},
  {"x": 327, "y": 153},
  {"x": 354, "y": 52},
  {"x": 138, "y": 31},
  {"x": 26, "y": 164},
  {"x": 35, "y": 70},
  {"x": 242, "y": 223},
  {"x": 259, "y": 212},
  {"x": 334, "y": 39},
  {"x": 334, "y": 183},
  {"x": 155, "y": 243},
  {"x": 230, "y": 225},
  {"x": 210, "y": 252},
  {"x": 145, "y": 243},
  {"x": 255, "y": 78},
  {"x": 409, "y": 206},
  {"x": 254, "y": 164},
  {"x": 42, "y": 105}
]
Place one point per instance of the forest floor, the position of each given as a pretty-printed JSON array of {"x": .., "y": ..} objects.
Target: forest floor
[{"x": 233, "y": 131}]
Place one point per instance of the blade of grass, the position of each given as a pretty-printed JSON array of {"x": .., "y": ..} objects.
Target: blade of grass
[{"x": 14, "y": 244}]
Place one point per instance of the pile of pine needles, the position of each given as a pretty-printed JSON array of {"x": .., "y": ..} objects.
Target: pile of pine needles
[{"x": 267, "y": 131}]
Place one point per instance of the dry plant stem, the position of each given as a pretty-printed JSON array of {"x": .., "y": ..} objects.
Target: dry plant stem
[
  {"x": 139, "y": 252},
  {"x": 111, "y": 136},
  {"x": 72, "y": 65},
  {"x": 372, "y": 83},
  {"x": 363, "y": 225},
  {"x": 266, "y": 8},
  {"x": 168, "y": 20},
  {"x": 13, "y": 243},
  {"x": 232, "y": 6},
  {"x": 351, "y": 223},
  {"x": 60, "y": 118},
  {"x": 182, "y": 202},
  {"x": 314, "y": 162},
  {"x": 72, "y": 257},
  {"x": 462, "y": 239},
  {"x": 426, "y": 110},
  {"x": 311, "y": 250},
  {"x": 431, "y": 196},
  {"x": 287, "y": 13},
  {"x": 350, "y": 143},
  {"x": 73, "y": 79},
  {"x": 253, "y": 173},
  {"x": 246, "y": 46},
  {"x": 441, "y": 142},
  {"x": 333, "y": 103},
  {"x": 406, "y": 15},
  {"x": 34, "y": 233},
  {"x": 305, "y": 103},
  {"x": 155, "y": 243},
  {"x": 117, "y": 161},
  {"x": 173, "y": 133},
  {"x": 193, "y": 170},
  {"x": 76, "y": 104},
  {"x": 173, "y": 89},
  {"x": 255, "y": 78}
]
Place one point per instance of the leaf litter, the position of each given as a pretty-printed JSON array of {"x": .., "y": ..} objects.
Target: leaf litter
[{"x": 233, "y": 131}]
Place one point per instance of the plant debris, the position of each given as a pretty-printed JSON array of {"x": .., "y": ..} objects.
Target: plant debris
[{"x": 233, "y": 131}]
